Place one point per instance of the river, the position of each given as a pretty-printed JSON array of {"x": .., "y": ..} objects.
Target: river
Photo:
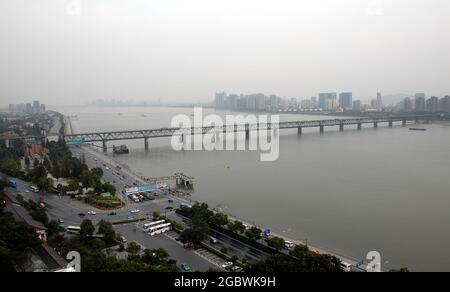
[{"x": 384, "y": 189}]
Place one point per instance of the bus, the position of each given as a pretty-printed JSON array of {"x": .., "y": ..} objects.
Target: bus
[
  {"x": 73, "y": 229},
  {"x": 147, "y": 225},
  {"x": 159, "y": 229}
]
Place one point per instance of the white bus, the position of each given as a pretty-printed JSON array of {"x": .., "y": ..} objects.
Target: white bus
[
  {"x": 147, "y": 225},
  {"x": 73, "y": 229},
  {"x": 159, "y": 229}
]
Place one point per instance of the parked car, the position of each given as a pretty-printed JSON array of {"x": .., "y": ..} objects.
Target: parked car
[
  {"x": 227, "y": 265},
  {"x": 124, "y": 240},
  {"x": 135, "y": 211},
  {"x": 112, "y": 214},
  {"x": 93, "y": 213},
  {"x": 81, "y": 215}
]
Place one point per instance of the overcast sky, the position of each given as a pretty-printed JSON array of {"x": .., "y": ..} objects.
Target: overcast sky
[{"x": 185, "y": 50}]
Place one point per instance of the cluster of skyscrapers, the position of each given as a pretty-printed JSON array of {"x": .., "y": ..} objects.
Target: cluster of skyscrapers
[
  {"x": 261, "y": 102},
  {"x": 329, "y": 102},
  {"x": 421, "y": 104},
  {"x": 34, "y": 108}
]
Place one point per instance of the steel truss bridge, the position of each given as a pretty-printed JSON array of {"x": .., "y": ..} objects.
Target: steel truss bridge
[{"x": 104, "y": 137}]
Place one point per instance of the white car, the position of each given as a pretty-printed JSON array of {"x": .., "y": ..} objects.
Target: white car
[
  {"x": 107, "y": 168},
  {"x": 135, "y": 211},
  {"x": 227, "y": 265},
  {"x": 92, "y": 213}
]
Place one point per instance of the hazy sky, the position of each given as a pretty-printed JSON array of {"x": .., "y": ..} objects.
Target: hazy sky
[{"x": 185, "y": 50}]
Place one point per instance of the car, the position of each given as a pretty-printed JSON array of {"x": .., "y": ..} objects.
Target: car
[
  {"x": 123, "y": 239},
  {"x": 60, "y": 221},
  {"x": 227, "y": 265},
  {"x": 213, "y": 240},
  {"x": 95, "y": 159},
  {"x": 107, "y": 168},
  {"x": 112, "y": 214},
  {"x": 170, "y": 201},
  {"x": 93, "y": 213},
  {"x": 185, "y": 267},
  {"x": 135, "y": 211},
  {"x": 236, "y": 269},
  {"x": 81, "y": 215},
  {"x": 169, "y": 208},
  {"x": 130, "y": 218}
]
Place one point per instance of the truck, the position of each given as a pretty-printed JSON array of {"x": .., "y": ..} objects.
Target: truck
[{"x": 12, "y": 184}]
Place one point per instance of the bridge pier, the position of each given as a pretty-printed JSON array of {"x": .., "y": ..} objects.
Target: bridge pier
[
  {"x": 375, "y": 125},
  {"x": 341, "y": 127},
  {"x": 299, "y": 130},
  {"x": 391, "y": 123},
  {"x": 359, "y": 126},
  {"x": 404, "y": 122},
  {"x": 146, "y": 143},
  {"x": 322, "y": 129},
  {"x": 105, "y": 146}
]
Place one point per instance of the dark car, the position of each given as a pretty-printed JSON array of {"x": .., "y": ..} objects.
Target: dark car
[
  {"x": 81, "y": 215},
  {"x": 169, "y": 208},
  {"x": 112, "y": 214}
]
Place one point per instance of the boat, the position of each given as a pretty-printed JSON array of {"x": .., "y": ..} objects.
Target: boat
[
  {"x": 417, "y": 129},
  {"x": 122, "y": 149}
]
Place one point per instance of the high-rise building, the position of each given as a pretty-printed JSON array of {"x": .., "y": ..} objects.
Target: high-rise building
[
  {"x": 43, "y": 109},
  {"x": 314, "y": 103},
  {"x": 220, "y": 99},
  {"x": 445, "y": 104},
  {"x": 419, "y": 102},
  {"x": 433, "y": 104},
  {"x": 379, "y": 102},
  {"x": 357, "y": 106},
  {"x": 346, "y": 100},
  {"x": 324, "y": 100},
  {"x": 28, "y": 109},
  {"x": 232, "y": 101},
  {"x": 407, "y": 104}
]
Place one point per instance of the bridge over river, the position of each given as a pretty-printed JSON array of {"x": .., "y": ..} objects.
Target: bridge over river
[{"x": 105, "y": 137}]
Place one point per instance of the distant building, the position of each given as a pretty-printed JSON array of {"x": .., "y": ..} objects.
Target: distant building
[
  {"x": 28, "y": 109},
  {"x": 346, "y": 100},
  {"x": 407, "y": 104},
  {"x": 445, "y": 104},
  {"x": 432, "y": 104},
  {"x": 419, "y": 102},
  {"x": 12, "y": 108},
  {"x": 220, "y": 99},
  {"x": 379, "y": 105},
  {"x": 43, "y": 109},
  {"x": 327, "y": 100},
  {"x": 357, "y": 105}
]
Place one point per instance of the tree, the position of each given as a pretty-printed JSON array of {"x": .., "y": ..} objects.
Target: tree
[
  {"x": 133, "y": 248},
  {"x": 276, "y": 242},
  {"x": 219, "y": 219},
  {"x": 27, "y": 162},
  {"x": 87, "y": 229},
  {"x": 97, "y": 171},
  {"x": 156, "y": 214},
  {"x": 198, "y": 232},
  {"x": 44, "y": 183},
  {"x": 238, "y": 227},
  {"x": 109, "y": 188},
  {"x": 73, "y": 185},
  {"x": 254, "y": 233},
  {"x": 86, "y": 178},
  {"x": 106, "y": 228}
]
